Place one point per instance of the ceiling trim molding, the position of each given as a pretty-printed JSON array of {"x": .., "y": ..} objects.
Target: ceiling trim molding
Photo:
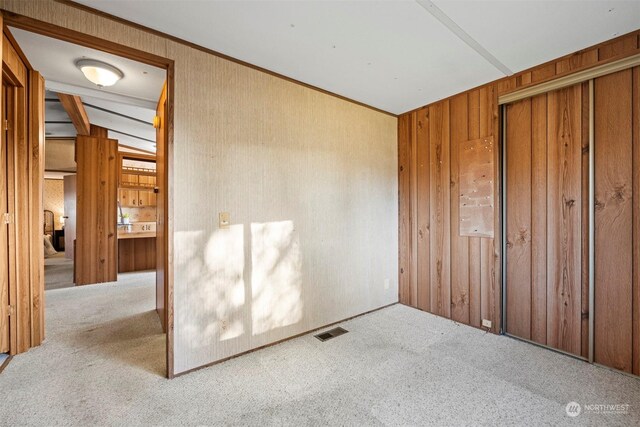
[
  {"x": 140, "y": 27},
  {"x": 570, "y": 80},
  {"x": 437, "y": 13}
]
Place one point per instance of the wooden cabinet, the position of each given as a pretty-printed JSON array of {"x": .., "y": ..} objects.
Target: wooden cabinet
[
  {"x": 136, "y": 198},
  {"x": 136, "y": 254},
  {"x": 128, "y": 197},
  {"x": 136, "y": 183},
  {"x": 147, "y": 197}
]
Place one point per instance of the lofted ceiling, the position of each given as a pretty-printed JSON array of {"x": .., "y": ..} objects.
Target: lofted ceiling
[
  {"x": 125, "y": 109},
  {"x": 393, "y": 55}
]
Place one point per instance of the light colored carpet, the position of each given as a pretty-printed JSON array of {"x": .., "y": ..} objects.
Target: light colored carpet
[
  {"x": 103, "y": 359},
  {"x": 58, "y": 272}
]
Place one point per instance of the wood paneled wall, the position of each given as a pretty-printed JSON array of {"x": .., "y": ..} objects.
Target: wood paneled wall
[
  {"x": 436, "y": 264},
  {"x": 617, "y": 220},
  {"x": 441, "y": 271},
  {"x": 137, "y": 254},
  {"x": 96, "y": 252},
  {"x": 23, "y": 90}
]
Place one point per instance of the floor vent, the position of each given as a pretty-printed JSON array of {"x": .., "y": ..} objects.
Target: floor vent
[{"x": 331, "y": 334}]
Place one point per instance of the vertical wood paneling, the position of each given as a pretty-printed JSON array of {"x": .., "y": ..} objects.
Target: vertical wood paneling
[
  {"x": 14, "y": 285},
  {"x": 518, "y": 176},
  {"x": 36, "y": 171},
  {"x": 557, "y": 257},
  {"x": 564, "y": 177},
  {"x": 161, "y": 209},
  {"x": 413, "y": 296},
  {"x": 577, "y": 61},
  {"x": 459, "y": 244},
  {"x": 423, "y": 218},
  {"x": 475, "y": 303},
  {"x": 539, "y": 219},
  {"x": 22, "y": 219},
  {"x": 4, "y": 237},
  {"x": 440, "y": 209},
  {"x": 621, "y": 47},
  {"x": 636, "y": 220},
  {"x": 96, "y": 251},
  {"x": 613, "y": 220},
  {"x": 585, "y": 221},
  {"x": 404, "y": 210},
  {"x": 488, "y": 290}
]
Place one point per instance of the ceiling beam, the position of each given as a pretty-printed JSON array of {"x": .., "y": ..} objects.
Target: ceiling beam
[
  {"x": 73, "y": 106},
  {"x": 437, "y": 13}
]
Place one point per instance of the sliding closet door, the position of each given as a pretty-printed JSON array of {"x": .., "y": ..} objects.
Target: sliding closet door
[
  {"x": 617, "y": 220},
  {"x": 546, "y": 195}
]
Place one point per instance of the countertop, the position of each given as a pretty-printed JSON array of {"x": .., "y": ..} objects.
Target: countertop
[{"x": 136, "y": 235}]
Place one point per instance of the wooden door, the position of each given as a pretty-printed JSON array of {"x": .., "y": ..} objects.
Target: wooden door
[
  {"x": 22, "y": 259},
  {"x": 4, "y": 240},
  {"x": 97, "y": 212},
  {"x": 617, "y": 220},
  {"x": 161, "y": 211},
  {"x": 70, "y": 214},
  {"x": 546, "y": 290}
]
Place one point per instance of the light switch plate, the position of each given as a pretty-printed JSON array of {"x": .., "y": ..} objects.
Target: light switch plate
[
  {"x": 486, "y": 323},
  {"x": 386, "y": 283},
  {"x": 224, "y": 219}
]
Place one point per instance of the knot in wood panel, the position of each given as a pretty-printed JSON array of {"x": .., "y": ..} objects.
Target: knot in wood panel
[
  {"x": 523, "y": 236},
  {"x": 599, "y": 205},
  {"x": 619, "y": 194}
]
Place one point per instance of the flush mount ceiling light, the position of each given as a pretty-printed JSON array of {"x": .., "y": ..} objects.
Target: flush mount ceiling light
[{"x": 99, "y": 73}]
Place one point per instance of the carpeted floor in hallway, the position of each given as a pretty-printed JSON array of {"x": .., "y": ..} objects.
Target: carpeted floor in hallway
[
  {"x": 103, "y": 362},
  {"x": 58, "y": 272}
]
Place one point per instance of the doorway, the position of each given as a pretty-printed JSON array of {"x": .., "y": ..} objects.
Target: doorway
[
  {"x": 572, "y": 217},
  {"x": 101, "y": 133}
]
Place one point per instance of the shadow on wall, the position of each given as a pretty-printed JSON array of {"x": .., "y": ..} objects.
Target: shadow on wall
[{"x": 239, "y": 289}]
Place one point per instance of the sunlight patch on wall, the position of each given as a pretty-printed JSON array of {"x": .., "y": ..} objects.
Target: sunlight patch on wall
[
  {"x": 224, "y": 258},
  {"x": 276, "y": 282}
]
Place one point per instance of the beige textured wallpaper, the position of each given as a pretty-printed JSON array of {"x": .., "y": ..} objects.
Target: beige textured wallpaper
[
  {"x": 309, "y": 180},
  {"x": 53, "y": 199}
]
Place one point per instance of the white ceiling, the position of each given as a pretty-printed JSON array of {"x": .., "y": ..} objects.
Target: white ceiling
[
  {"x": 126, "y": 109},
  {"x": 393, "y": 55}
]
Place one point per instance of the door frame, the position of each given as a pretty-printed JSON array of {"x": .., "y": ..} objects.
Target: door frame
[{"x": 10, "y": 19}]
